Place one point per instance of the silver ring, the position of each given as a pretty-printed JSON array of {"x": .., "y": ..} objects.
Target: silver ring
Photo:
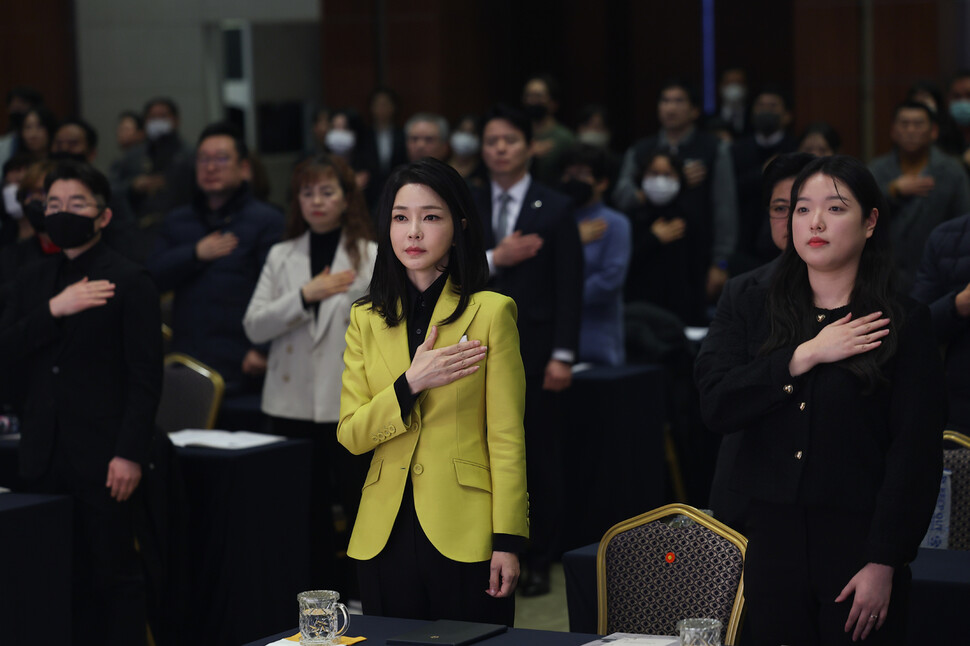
[{"x": 871, "y": 617}]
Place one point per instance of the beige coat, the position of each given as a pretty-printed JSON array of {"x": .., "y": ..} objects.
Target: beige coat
[{"x": 306, "y": 355}]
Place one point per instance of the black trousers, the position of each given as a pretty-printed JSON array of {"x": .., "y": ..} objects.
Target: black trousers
[
  {"x": 798, "y": 561},
  {"x": 108, "y": 584},
  {"x": 335, "y": 484},
  {"x": 543, "y": 455},
  {"x": 413, "y": 580}
]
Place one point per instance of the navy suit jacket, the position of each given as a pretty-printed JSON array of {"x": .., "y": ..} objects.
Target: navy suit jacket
[{"x": 547, "y": 288}]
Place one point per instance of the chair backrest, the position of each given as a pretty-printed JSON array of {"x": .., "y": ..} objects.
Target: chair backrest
[
  {"x": 651, "y": 574},
  {"x": 957, "y": 460},
  {"x": 191, "y": 394}
]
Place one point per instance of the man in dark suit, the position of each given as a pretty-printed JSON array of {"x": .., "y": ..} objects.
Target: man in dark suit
[
  {"x": 82, "y": 331},
  {"x": 536, "y": 258}
]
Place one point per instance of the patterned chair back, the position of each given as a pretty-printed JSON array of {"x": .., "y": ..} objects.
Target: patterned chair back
[
  {"x": 957, "y": 460},
  {"x": 651, "y": 574},
  {"x": 191, "y": 395}
]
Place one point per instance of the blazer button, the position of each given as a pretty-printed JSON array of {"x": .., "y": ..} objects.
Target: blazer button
[
  {"x": 392, "y": 428},
  {"x": 788, "y": 389},
  {"x": 286, "y": 379},
  {"x": 56, "y": 370},
  {"x": 373, "y": 437},
  {"x": 801, "y": 406},
  {"x": 289, "y": 349},
  {"x": 798, "y": 455},
  {"x": 418, "y": 469}
]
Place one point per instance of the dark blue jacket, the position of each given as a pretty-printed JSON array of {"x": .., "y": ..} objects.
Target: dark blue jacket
[
  {"x": 943, "y": 273},
  {"x": 211, "y": 297}
]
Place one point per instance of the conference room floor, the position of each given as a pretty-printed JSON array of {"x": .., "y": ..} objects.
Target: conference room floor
[{"x": 547, "y": 612}]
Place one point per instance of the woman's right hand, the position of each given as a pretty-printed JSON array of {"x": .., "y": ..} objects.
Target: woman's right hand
[
  {"x": 667, "y": 231},
  {"x": 431, "y": 368},
  {"x": 839, "y": 340},
  {"x": 324, "y": 285}
]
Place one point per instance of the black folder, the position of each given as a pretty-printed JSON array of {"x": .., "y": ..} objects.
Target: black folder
[{"x": 445, "y": 632}]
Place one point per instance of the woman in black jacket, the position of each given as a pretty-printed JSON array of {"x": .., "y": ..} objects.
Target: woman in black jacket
[{"x": 834, "y": 382}]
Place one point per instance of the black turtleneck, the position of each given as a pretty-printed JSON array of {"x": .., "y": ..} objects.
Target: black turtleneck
[{"x": 323, "y": 248}]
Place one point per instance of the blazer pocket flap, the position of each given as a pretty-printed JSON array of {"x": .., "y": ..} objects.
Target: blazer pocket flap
[
  {"x": 373, "y": 473},
  {"x": 475, "y": 475}
]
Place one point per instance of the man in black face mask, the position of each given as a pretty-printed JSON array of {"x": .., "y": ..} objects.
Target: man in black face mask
[
  {"x": 770, "y": 119},
  {"x": 540, "y": 100},
  {"x": 81, "y": 331},
  {"x": 605, "y": 235}
]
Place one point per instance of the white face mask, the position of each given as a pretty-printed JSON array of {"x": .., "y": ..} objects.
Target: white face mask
[
  {"x": 155, "y": 128},
  {"x": 10, "y": 202},
  {"x": 340, "y": 141},
  {"x": 733, "y": 93},
  {"x": 660, "y": 189},
  {"x": 464, "y": 144}
]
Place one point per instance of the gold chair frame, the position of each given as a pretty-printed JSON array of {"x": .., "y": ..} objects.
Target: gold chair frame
[
  {"x": 218, "y": 383},
  {"x": 958, "y": 438},
  {"x": 699, "y": 517}
]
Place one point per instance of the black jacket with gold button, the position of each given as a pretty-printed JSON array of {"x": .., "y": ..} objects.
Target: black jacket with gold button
[{"x": 817, "y": 440}]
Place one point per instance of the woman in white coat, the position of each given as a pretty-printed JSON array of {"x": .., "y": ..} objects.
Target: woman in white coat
[{"x": 302, "y": 305}]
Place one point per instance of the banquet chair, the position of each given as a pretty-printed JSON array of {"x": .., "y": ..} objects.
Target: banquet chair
[
  {"x": 191, "y": 394},
  {"x": 666, "y": 565},
  {"x": 957, "y": 460}
]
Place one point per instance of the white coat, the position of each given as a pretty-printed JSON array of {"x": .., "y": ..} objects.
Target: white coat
[{"x": 306, "y": 354}]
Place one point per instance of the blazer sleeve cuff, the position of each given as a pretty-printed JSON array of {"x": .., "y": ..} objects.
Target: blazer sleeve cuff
[{"x": 405, "y": 399}]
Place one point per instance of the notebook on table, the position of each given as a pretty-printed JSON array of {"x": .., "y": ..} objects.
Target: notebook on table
[{"x": 446, "y": 632}]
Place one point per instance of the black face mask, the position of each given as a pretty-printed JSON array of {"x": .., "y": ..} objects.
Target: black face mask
[
  {"x": 577, "y": 190},
  {"x": 70, "y": 230},
  {"x": 536, "y": 112},
  {"x": 766, "y": 123},
  {"x": 34, "y": 212}
]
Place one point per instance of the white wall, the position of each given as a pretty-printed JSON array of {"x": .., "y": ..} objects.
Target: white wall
[{"x": 131, "y": 50}]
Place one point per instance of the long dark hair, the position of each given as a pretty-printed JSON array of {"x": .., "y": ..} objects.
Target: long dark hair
[
  {"x": 355, "y": 219},
  {"x": 467, "y": 266},
  {"x": 790, "y": 300}
]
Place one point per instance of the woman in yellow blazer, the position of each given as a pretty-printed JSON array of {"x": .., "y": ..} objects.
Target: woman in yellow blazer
[{"x": 434, "y": 386}]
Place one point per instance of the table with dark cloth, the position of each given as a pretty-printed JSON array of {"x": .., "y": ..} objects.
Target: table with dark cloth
[
  {"x": 35, "y": 567},
  {"x": 378, "y": 630},
  {"x": 613, "y": 448},
  {"x": 223, "y": 533},
  {"x": 940, "y": 596},
  {"x": 247, "y": 544}
]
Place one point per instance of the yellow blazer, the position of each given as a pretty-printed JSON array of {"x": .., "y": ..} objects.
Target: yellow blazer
[{"x": 463, "y": 444}]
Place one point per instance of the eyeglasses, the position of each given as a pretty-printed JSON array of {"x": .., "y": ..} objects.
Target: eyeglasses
[
  {"x": 73, "y": 206},
  {"x": 220, "y": 161}
]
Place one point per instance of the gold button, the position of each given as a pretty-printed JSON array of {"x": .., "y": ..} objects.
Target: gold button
[
  {"x": 418, "y": 469},
  {"x": 820, "y": 317},
  {"x": 788, "y": 389},
  {"x": 373, "y": 437},
  {"x": 801, "y": 406},
  {"x": 798, "y": 455},
  {"x": 289, "y": 349},
  {"x": 286, "y": 379},
  {"x": 392, "y": 428}
]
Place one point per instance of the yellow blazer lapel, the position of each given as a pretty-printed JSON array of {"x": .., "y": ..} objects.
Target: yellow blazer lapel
[
  {"x": 392, "y": 342},
  {"x": 447, "y": 302}
]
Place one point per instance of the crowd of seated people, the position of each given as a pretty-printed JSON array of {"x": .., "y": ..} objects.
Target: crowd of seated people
[{"x": 582, "y": 230}]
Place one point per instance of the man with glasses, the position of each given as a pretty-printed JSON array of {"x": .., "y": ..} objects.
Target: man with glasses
[
  {"x": 81, "y": 333},
  {"x": 210, "y": 253}
]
